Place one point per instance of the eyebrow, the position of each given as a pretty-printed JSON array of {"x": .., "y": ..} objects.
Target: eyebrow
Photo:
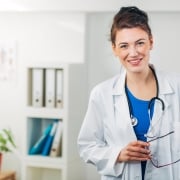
[{"x": 141, "y": 39}]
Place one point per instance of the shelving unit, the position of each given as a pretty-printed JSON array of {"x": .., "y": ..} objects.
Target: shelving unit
[{"x": 68, "y": 165}]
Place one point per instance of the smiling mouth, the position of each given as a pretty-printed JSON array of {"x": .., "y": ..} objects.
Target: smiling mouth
[{"x": 135, "y": 61}]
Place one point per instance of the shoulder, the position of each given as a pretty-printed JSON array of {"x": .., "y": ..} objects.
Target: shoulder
[
  {"x": 171, "y": 77},
  {"x": 166, "y": 75},
  {"x": 104, "y": 88},
  {"x": 169, "y": 81}
]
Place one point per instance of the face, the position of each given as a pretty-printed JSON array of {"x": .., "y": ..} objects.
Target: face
[{"x": 132, "y": 46}]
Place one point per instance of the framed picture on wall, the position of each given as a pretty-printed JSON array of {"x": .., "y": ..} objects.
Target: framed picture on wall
[{"x": 8, "y": 63}]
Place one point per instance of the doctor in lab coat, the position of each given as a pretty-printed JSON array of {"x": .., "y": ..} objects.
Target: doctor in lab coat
[{"x": 107, "y": 138}]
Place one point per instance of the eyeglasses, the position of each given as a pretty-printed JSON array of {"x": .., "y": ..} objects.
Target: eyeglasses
[
  {"x": 154, "y": 159},
  {"x": 153, "y": 135}
]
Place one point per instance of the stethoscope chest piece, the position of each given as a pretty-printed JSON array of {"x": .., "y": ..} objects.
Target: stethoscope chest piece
[{"x": 134, "y": 121}]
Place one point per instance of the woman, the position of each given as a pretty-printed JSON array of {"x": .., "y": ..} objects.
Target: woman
[{"x": 132, "y": 126}]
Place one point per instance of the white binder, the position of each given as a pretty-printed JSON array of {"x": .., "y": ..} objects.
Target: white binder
[
  {"x": 37, "y": 87},
  {"x": 59, "y": 88},
  {"x": 50, "y": 88},
  {"x": 56, "y": 144}
]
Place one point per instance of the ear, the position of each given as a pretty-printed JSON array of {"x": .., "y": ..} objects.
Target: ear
[
  {"x": 114, "y": 49},
  {"x": 151, "y": 42}
]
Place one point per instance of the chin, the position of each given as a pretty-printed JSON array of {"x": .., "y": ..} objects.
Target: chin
[{"x": 136, "y": 69}]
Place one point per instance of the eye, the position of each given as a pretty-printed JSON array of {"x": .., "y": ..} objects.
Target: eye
[
  {"x": 123, "y": 46},
  {"x": 140, "y": 43}
]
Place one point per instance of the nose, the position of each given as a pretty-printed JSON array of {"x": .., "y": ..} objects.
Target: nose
[{"x": 133, "y": 51}]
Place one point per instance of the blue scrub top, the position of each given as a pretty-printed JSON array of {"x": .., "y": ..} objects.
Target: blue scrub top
[{"x": 140, "y": 111}]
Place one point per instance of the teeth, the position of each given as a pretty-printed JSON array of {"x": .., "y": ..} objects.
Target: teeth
[{"x": 135, "y": 61}]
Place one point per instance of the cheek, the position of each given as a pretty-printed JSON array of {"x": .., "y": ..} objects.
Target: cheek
[
  {"x": 122, "y": 59},
  {"x": 145, "y": 50},
  {"x": 122, "y": 55}
]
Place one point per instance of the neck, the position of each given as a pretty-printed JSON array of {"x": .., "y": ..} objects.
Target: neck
[
  {"x": 143, "y": 85},
  {"x": 140, "y": 78}
]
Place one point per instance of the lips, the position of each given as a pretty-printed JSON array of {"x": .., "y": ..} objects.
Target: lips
[{"x": 134, "y": 62}]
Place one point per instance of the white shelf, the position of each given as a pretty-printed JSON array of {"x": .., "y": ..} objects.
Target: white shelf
[
  {"x": 39, "y": 118},
  {"x": 45, "y": 112},
  {"x": 44, "y": 161}
]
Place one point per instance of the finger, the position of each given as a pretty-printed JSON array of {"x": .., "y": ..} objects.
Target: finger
[
  {"x": 130, "y": 155},
  {"x": 137, "y": 154},
  {"x": 138, "y": 149},
  {"x": 138, "y": 159},
  {"x": 140, "y": 143}
]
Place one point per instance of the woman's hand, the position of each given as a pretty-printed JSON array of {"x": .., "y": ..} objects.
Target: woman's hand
[{"x": 135, "y": 151}]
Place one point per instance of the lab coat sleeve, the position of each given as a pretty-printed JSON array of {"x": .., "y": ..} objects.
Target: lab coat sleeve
[{"x": 91, "y": 143}]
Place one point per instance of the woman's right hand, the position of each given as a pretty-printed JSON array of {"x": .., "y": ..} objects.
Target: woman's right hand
[{"x": 135, "y": 151}]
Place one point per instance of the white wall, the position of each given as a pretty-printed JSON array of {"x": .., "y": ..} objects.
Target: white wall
[
  {"x": 40, "y": 37},
  {"x": 166, "y": 28},
  {"x": 86, "y": 6}
]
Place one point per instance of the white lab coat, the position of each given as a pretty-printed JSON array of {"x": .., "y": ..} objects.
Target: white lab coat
[{"x": 107, "y": 129}]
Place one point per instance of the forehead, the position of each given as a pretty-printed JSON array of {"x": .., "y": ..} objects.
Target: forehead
[{"x": 127, "y": 35}]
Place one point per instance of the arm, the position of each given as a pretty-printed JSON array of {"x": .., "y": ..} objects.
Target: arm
[
  {"x": 109, "y": 160},
  {"x": 92, "y": 145}
]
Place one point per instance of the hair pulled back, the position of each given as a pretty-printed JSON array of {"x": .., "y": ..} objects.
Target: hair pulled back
[{"x": 129, "y": 17}]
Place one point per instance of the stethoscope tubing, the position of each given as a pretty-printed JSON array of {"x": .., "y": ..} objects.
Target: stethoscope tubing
[{"x": 134, "y": 120}]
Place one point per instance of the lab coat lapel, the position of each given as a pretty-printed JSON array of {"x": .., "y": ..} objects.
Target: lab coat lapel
[
  {"x": 121, "y": 110},
  {"x": 164, "y": 90},
  {"x": 158, "y": 114}
]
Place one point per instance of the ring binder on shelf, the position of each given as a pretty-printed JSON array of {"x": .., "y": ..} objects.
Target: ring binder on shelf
[
  {"x": 37, "y": 87},
  {"x": 59, "y": 88},
  {"x": 50, "y": 88},
  {"x": 56, "y": 144},
  {"x": 48, "y": 143}
]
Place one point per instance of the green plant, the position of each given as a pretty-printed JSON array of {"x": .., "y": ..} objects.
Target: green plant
[{"x": 6, "y": 141}]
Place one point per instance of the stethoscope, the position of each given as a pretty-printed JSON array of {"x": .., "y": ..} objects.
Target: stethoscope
[{"x": 134, "y": 120}]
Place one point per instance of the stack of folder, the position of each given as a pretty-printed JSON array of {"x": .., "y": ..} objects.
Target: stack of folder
[
  {"x": 49, "y": 144},
  {"x": 47, "y": 87}
]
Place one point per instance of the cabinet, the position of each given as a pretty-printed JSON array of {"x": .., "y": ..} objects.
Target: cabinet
[{"x": 67, "y": 165}]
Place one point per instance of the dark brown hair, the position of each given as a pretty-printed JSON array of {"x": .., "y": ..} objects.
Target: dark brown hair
[{"x": 129, "y": 17}]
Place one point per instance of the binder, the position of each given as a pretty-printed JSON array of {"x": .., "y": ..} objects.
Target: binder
[
  {"x": 59, "y": 88},
  {"x": 48, "y": 143},
  {"x": 50, "y": 88},
  {"x": 56, "y": 144},
  {"x": 37, "y": 87},
  {"x": 38, "y": 146}
]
